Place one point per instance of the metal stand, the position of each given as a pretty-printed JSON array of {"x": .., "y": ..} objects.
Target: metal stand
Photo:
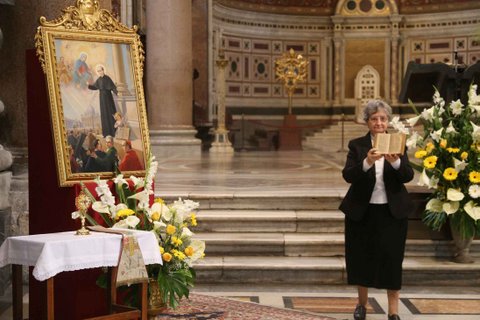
[{"x": 342, "y": 149}]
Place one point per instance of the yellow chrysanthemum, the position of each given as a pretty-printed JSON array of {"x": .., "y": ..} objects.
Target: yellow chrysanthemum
[
  {"x": 162, "y": 250},
  {"x": 171, "y": 229},
  {"x": 420, "y": 154},
  {"x": 450, "y": 174},
  {"x": 464, "y": 155},
  {"x": 453, "y": 150},
  {"x": 193, "y": 219},
  {"x": 474, "y": 177},
  {"x": 155, "y": 216},
  {"x": 167, "y": 257},
  {"x": 429, "y": 147},
  {"x": 443, "y": 143},
  {"x": 124, "y": 213},
  {"x": 430, "y": 162},
  {"x": 159, "y": 200},
  {"x": 189, "y": 251},
  {"x": 179, "y": 255},
  {"x": 177, "y": 242}
]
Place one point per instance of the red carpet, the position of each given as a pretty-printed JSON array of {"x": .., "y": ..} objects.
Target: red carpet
[{"x": 202, "y": 307}]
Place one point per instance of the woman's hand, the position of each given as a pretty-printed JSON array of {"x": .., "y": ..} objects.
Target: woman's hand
[
  {"x": 392, "y": 157},
  {"x": 373, "y": 156}
]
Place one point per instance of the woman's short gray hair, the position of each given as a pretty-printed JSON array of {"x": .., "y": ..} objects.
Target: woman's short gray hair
[{"x": 373, "y": 106}]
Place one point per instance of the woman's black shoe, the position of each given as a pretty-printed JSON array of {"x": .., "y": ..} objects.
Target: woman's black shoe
[
  {"x": 360, "y": 312},
  {"x": 393, "y": 317}
]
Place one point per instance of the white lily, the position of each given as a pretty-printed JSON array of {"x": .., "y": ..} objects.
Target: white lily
[
  {"x": 476, "y": 132},
  {"x": 451, "y": 128},
  {"x": 413, "y": 121},
  {"x": 434, "y": 205},
  {"x": 413, "y": 140},
  {"x": 451, "y": 207},
  {"x": 436, "y": 135},
  {"x": 454, "y": 195},
  {"x": 137, "y": 182},
  {"x": 198, "y": 250},
  {"x": 423, "y": 180},
  {"x": 132, "y": 221},
  {"x": 472, "y": 210},
  {"x": 456, "y": 107},
  {"x": 459, "y": 165},
  {"x": 186, "y": 232},
  {"x": 427, "y": 114},
  {"x": 158, "y": 224},
  {"x": 101, "y": 207}
]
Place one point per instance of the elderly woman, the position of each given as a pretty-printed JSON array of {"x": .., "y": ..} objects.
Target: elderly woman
[{"x": 376, "y": 209}]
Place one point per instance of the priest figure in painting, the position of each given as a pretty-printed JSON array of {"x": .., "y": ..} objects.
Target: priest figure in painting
[{"x": 104, "y": 84}]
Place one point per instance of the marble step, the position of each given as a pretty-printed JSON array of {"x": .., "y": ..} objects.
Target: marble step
[
  {"x": 315, "y": 200},
  {"x": 418, "y": 271},
  {"x": 262, "y": 221},
  {"x": 309, "y": 245}
]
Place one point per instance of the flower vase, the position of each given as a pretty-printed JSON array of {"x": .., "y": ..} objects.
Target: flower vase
[
  {"x": 155, "y": 298},
  {"x": 461, "y": 247}
]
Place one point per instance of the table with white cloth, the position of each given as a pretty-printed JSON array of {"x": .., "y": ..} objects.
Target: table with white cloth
[{"x": 52, "y": 253}]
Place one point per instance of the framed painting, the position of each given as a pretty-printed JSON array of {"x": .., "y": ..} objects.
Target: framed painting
[{"x": 94, "y": 68}]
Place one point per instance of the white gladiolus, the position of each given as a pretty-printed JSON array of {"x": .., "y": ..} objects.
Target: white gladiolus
[
  {"x": 454, "y": 195},
  {"x": 119, "y": 180}
]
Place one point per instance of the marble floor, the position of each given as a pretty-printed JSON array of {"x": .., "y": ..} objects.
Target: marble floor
[
  {"x": 294, "y": 173},
  {"x": 252, "y": 173}
]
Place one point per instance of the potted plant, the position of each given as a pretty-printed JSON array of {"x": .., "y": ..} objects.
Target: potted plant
[
  {"x": 448, "y": 149},
  {"x": 130, "y": 207}
]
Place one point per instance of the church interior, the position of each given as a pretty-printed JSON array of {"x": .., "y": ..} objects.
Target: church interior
[{"x": 263, "y": 160}]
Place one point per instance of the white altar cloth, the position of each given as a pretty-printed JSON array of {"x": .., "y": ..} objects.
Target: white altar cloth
[{"x": 52, "y": 253}]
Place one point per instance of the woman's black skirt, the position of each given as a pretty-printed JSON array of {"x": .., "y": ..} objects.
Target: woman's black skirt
[{"x": 374, "y": 249}]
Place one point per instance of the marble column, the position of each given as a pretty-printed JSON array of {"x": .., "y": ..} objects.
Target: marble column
[
  {"x": 337, "y": 72},
  {"x": 169, "y": 78},
  {"x": 394, "y": 61}
]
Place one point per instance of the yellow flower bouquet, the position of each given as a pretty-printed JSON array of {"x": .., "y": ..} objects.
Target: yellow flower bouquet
[
  {"x": 129, "y": 207},
  {"x": 448, "y": 151}
]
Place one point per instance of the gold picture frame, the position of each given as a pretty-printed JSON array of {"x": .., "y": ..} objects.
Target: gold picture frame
[{"x": 94, "y": 68}]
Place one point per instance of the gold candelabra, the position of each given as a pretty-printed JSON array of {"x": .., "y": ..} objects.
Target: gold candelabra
[
  {"x": 291, "y": 69},
  {"x": 82, "y": 202}
]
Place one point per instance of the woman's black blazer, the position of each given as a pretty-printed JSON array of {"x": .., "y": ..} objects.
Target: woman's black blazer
[{"x": 356, "y": 201}]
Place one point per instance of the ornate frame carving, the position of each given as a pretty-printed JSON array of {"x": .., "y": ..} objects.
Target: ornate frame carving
[{"x": 70, "y": 49}]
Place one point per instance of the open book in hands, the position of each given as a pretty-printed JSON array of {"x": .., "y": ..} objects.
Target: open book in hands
[{"x": 390, "y": 143}]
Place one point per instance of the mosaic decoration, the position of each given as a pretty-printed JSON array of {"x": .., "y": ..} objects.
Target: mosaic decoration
[
  {"x": 443, "y": 50},
  {"x": 251, "y": 64},
  {"x": 330, "y": 304},
  {"x": 442, "y": 306}
]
